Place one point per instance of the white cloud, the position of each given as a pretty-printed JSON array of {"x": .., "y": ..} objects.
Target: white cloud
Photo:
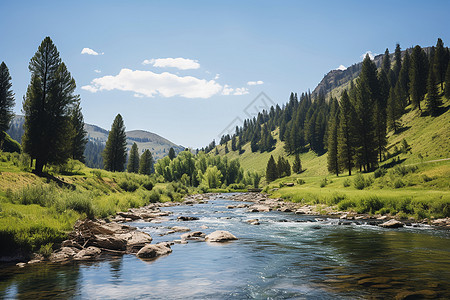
[
  {"x": 217, "y": 76},
  {"x": 97, "y": 71},
  {"x": 227, "y": 90},
  {"x": 179, "y": 63},
  {"x": 149, "y": 84},
  {"x": 371, "y": 55},
  {"x": 255, "y": 82},
  {"x": 89, "y": 51},
  {"x": 342, "y": 68}
]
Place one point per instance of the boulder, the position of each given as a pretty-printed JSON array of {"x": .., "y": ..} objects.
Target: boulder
[
  {"x": 184, "y": 218},
  {"x": 231, "y": 206},
  {"x": 220, "y": 236},
  {"x": 88, "y": 253},
  {"x": 63, "y": 254},
  {"x": 195, "y": 235},
  {"x": 253, "y": 222},
  {"x": 259, "y": 208},
  {"x": 441, "y": 222},
  {"x": 392, "y": 224},
  {"x": 153, "y": 251},
  {"x": 110, "y": 242},
  {"x": 70, "y": 243},
  {"x": 135, "y": 240},
  {"x": 180, "y": 229},
  {"x": 289, "y": 184}
]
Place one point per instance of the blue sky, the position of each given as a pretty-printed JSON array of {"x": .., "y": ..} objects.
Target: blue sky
[{"x": 186, "y": 69}]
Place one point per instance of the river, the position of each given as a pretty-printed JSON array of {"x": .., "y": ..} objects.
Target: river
[{"x": 286, "y": 256}]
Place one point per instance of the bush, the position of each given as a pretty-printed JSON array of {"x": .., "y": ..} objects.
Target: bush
[
  {"x": 128, "y": 185},
  {"x": 346, "y": 182},
  {"x": 369, "y": 205},
  {"x": 80, "y": 203},
  {"x": 148, "y": 185},
  {"x": 398, "y": 183},
  {"x": 359, "y": 182},
  {"x": 380, "y": 172},
  {"x": 35, "y": 194},
  {"x": 346, "y": 204},
  {"x": 237, "y": 186},
  {"x": 403, "y": 170},
  {"x": 335, "y": 199},
  {"x": 46, "y": 250},
  {"x": 324, "y": 182},
  {"x": 154, "y": 196},
  {"x": 426, "y": 178},
  {"x": 97, "y": 174},
  {"x": 300, "y": 181}
]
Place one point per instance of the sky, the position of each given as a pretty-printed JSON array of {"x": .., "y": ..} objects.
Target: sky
[{"x": 193, "y": 70}]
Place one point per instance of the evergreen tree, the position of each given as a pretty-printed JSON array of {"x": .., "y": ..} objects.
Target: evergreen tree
[
  {"x": 282, "y": 129},
  {"x": 297, "y": 165},
  {"x": 133, "y": 161},
  {"x": 146, "y": 163},
  {"x": 380, "y": 113},
  {"x": 418, "y": 74},
  {"x": 47, "y": 106},
  {"x": 386, "y": 63},
  {"x": 402, "y": 85},
  {"x": 447, "y": 82},
  {"x": 366, "y": 100},
  {"x": 440, "y": 63},
  {"x": 115, "y": 153},
  {"x": 394, "y": 110},
  {"x": 172, "y": 153},
  {"x": 226, "y": 148},
  {"x": 398, "y": 60},
  {"x": 433, "y": 99},
  {"x": 271, "y": 170},
  {"x": 216, "y": 152},
  {"x": 332, "y": 159},
  {"x": 346, "y": 134},
  {"x": 6, "y": 101},
  {"x": 79, "y": 140}
]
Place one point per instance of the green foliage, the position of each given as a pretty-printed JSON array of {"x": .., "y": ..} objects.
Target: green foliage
[
  {"x": 212, "y": 178},
  {"x": 171, "y": 153},
  {"x": 148, "y": 185},
  {"x": 297, "y": 165},
  {"x": 403, "y": 170},
  {"x": 324, "y": 182},
  {"x": 271, "y": 170},
  {"x": 398, "y": 183},
  {"x": 380, "y": 172},
  {"x": 133, "y": 161},
  {"x": 146, "y": 163},
  {"x": 114, "y": 155},
  {"x": 9, "y": 145},
  {"x": 46, "y": 250},
  {"x": 6, "y": 100},
  {"x": 433, "y": 98},
  {"x": 418, "y": 74},
  {"x": 79, "y": 140},
  {"x": 128, "y": 185},
  {"x": 359, "y": 182},
  {"x": 346, "y": 182}
]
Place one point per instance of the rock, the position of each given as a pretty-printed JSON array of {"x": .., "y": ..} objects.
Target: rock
[
  {"x": 111, "y": 242},
  {"x": 441, "y": 222},
  {"x": 260, "y": 208},
  {"x": 128, "y": 215},
  {"x": 204, "y": 227},
  {"x": 382, "y": 218},
  {"x": 184, "y": 218},
  {"x": 154, "y": 251},
  {"x": 88, "y": 253},
  {"x": 195, "y": 235},
  {"x": 180, "y": 229},
  {"x": 253, "y": 222},
  {"x": 392, "y": 224},
  {"x": 231, "y": 206},
  {"x": 289, "y": 184},
  {"x": 21, "y": 264},
  {"x": 70, "y": 243},
  {"x": 300, "y": 212},
  {"x": 63, "y": 254},
  {"x": 34, "y": 261},
  {"x": 180, "y": 242},
  {"x": 220, "y": 236},
  {"x": 285, "y": 209},
  {"x": 242, "y": 206},
  {"x": 135, "y": 240}
]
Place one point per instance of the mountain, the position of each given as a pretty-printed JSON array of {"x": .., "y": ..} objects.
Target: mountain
[{"x": 158, "y": 146}]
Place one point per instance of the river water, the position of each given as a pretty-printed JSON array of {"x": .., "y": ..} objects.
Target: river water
[{"x": 287, "y": 256}]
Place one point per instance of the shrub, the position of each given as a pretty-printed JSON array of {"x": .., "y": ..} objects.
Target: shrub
[
  {"x": 324, "y": 182},
  {"x": 154, "y": 196},
  {"x": 300, "y": 181},
  {"x": 237, "y": 186},
  {"x": 40, "y": 194},
  {"x": 97, "y": 174},
  {"x": 81, "y": 203},
  {"x": 346, "y": 182},
  {"x": 46, "y": 250},
  {"x": 148, "y": 185},
  {"x": 359, "y": 182},
  {"x": 380, "y": 172},
  {"x": 369, "y": 205},
  {"x": 426, "y": 178},
  {"x": 398, "y": 183},
  {"x": 335, "y": 199},
  {"x": 403, "y": 170},
  {"x": 128, "y": 185},
  {"x": 346, "y": 204}
]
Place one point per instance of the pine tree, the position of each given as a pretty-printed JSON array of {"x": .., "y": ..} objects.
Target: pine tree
[
  {"x": 403, "y": 81},
  {"x": 172, "y": 153},
  {"x": 398, "y": 60},
  {"x": 226, "y": 148},
  {"x": 346, "y": 133},
  {"x": 380, "y": 113},
  {"x": 271, "y": 170},
  {"x": 394, "y": 110},
  {"x": 6, "y": 101},
  {"x": 233, "y": 143},
  {"x": 133, "y": 161},
  {"x": 146, "y": 163},
  {"x": 386, "y": 63},
  {"x": 297, "y": 165},
  {"x": 418, "y": 75},
  {"x": 366, "y": 101},
  {"x": 47, "y": 106},
  {"x": 439, "y": 63},
  {"x": 79, "y": 140},
  {"x": 433, "y": 99},
  {"x": 447, "y": 82},
  {"x": 115, "y": 155},
  {"x": 332, "y": 159}
]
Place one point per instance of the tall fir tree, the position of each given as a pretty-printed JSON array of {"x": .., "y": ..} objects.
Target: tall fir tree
[
  {"x": 6, "y": 101},
  {"x": 271, "y": 170},
  {"x": 332, "y": 159},
  {"x": 115, "y": 153},
  {"x": 133, "y": 161},
  {"x": 233, "y": 143},
  {"x": 418, "y": 75},
  {"x": 394, "y": 111},
  {"x": 366, "y": 102},
  {"x": 402, "y": 86},
  {"x": 346, "y": 134},
  {"x": 440, "y": 63},
  {"x": 146, "y": 163},
  {"x": 397, "y": 60},
  {"x": 433, "y": 98},
  {"x": 297, "y": 165},
  {"x": 80, "y": 139},
  {"x": 386, "y": 63},
  {"x": 172, "y": 152},
  {"x": 447, "y": 82},
  {"x": 47, "y": 105}
]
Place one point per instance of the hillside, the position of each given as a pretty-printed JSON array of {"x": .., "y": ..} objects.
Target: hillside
[{"x": 158, "y": 146}]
